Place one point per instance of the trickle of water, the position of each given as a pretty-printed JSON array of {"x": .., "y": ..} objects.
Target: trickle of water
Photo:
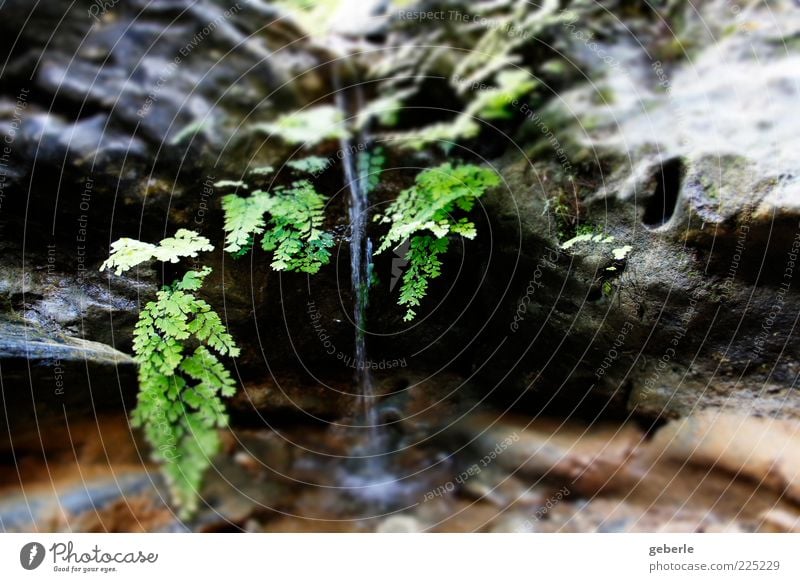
[
  {"x": 368, "y": 475},
  {"x": 360, "y": 273}
]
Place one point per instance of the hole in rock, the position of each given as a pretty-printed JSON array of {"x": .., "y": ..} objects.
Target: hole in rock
[
  {"x": 595, "y": 294},
  {"x": 661, "y": 205}
]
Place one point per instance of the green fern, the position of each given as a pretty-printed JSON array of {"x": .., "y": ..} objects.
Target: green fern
[
  {"x": 310, "y": 164},
  {"x": 385, "y": 110},
  {"x": 425, "y": 214},
  {"x": 293, "y": 233},
  {"x": 496, "y": 48},
  {"x": 244, "y": 218},
  {"x": 307, "y": 127},
  {"x": 230, "y": 184},
  {"x": 591, "y": 235},
  {"x": 489, "y": 104},
  {"x": 430, "y": 204},
  {"x": 262, "y": 171},
  {"x": 370, "y": 164},
  {"x": 177, "y": 342},
  {"x": 126, "y": 253},
  {"x": 180, "y": 389},
  {"x": 423, "y": 265}
]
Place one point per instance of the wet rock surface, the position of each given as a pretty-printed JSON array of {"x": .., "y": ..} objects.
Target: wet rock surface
[
  {"x": 692, "y": 169},
  {"x": 52, "y": 380},
  {"x": 119, "y": 120},
  {"x": 517, "y": 475}
]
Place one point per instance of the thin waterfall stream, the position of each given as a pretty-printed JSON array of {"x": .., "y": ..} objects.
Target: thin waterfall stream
[{"x": 371, "y": 477}]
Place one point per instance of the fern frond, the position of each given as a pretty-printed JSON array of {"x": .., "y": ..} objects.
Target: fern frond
[
  {"x": 127, "y": 253},
  {"x": 244, "y": 217},
  {"x": 423, "y": 265},
  {"x": 179, "y": 404},
  {"x": 308, "y": 126},
  {"x": 429, "y": 204},
  {"x": 293, "y": 233},
  {"x": 310, "y": 164},
  {"x": 425, "y": 214}
]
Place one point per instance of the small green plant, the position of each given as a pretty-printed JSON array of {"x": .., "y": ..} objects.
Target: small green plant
[
  {"x": 179, "y": 339},
  {"x": 588, "y": 236},
  {"x": 262, "y": 171},
  {"x": 190, "y": 131},
  {"x": 126, "y": 253},
  {"x": 425, "y": 214},
  {"x": 310, "y": 164},
  {"x": 231, "y": 184},
  {"x": 177, "y": 343},
  {"x": 313, "y": 16},
  {"x": 423, "y": 265},
  {"x": 490, "y": 103},
  {"x": 384, "y": 110},
  {"x": 293, "y": 233},
  {"x": 370, "y": 164},
  {"x": 564, "y": 211},
  {"x": 307, "y": 127}
]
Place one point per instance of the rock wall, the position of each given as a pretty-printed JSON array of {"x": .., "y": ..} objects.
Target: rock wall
[{"x": 119, "y": 121}]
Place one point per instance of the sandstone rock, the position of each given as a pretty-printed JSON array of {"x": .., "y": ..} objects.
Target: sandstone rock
[
  {"x": 400, "y": 524},
  {"x": 762, "y": 449}
]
